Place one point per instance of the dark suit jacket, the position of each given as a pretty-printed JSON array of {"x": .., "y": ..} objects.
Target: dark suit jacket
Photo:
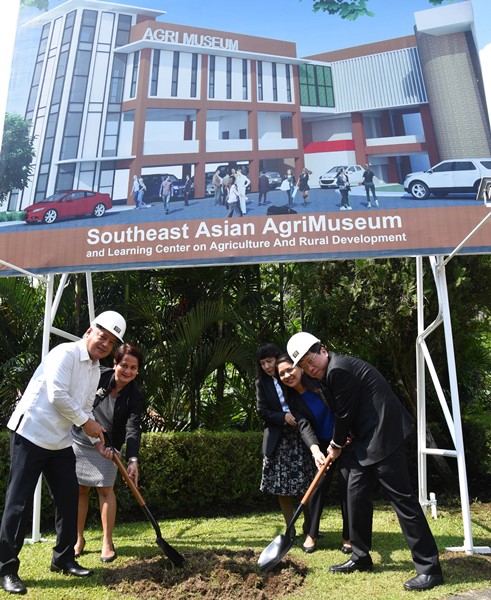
[
  {"x": 365, "y": 407},
  {"x": 269, "y": 408},
  {"x": 127, "y": 414},
  {"x": 263, "y": 184}
]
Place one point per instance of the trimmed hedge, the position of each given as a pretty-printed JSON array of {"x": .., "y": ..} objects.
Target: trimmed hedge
[
  {"x": 12, "y": 215},
  {"x": 181, "y": 475},
  {"x": 205, "y": 473}
]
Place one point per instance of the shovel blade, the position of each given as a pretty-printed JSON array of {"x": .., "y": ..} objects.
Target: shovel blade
[
  {"x": 273, "y": 553},
  {"x": 176, "y": 558}
]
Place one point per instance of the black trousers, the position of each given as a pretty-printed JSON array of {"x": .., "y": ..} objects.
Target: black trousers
[
  {"x": 27, "y": 462},
  {"x": 392, "y": 475},
  {"x": 317, "y": 500}
]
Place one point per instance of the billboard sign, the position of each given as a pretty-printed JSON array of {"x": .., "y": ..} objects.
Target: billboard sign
[{"x": 118, "y": 97}]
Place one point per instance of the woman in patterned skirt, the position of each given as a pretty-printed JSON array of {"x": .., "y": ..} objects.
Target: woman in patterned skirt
[
  {"x": 118, "y": 406},
  {"x": 288, "y": 468}
]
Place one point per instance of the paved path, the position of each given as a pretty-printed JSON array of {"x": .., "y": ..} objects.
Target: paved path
[{"x": 471, "y": 595}]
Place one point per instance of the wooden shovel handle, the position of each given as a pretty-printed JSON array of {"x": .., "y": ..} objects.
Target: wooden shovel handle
[
  {"x": 136, "y": 492},
  {"x": 315, "y": 482}
]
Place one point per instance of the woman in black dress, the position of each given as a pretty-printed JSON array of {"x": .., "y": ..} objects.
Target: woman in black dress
[
  {"x": 288, "y": 468},
  {"x": 303, "y": 185}
]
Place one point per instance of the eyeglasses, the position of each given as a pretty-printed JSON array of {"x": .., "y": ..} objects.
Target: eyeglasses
[{"x": 305, "y": 363}]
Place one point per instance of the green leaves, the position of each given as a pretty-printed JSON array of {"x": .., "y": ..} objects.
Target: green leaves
[
  {"x": 350, "y": 10},
  {"x": 16, "y": 155},
  {"x": 346, "y": 9}
]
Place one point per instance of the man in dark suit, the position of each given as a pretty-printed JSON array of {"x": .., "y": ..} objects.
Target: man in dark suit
[
  {"x": 367, "y": 409},
  {"x": 262, "y": 188}
]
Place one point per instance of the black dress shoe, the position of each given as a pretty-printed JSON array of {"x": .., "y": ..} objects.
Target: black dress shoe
[
  {"x": 309, "y": 549},
  {"x": 423, "y": 582},
  {"x": 345, "y": 549},
  {"x": 71, "y": 568},
  {"x": 350, "y": 566},
  {"x": 13, "y": 584}
]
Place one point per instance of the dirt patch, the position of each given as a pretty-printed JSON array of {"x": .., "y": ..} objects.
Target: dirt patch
[{"x": 210, "y": 575}]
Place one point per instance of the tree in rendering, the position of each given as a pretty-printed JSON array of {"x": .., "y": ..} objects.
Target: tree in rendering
[
  {"x": 351, "y": 9},
  {"x": 16, "y": 155},
  {"x": 41, "y": 4}
]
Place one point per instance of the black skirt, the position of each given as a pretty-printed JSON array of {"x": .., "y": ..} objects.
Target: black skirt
[{"x": 291, "y": 468}]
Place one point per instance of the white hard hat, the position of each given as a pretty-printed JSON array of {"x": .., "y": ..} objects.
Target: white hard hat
[
  {"x": 299, "y": 344},
  {"x": 112, "y": 321}
]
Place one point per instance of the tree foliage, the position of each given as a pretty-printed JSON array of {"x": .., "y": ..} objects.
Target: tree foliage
[
  {"x": 351, "y": 9},
  {"x": 41, "y": 4},
  {"x": 16, "y": 156},
  {"x": 199, "y": 330}
]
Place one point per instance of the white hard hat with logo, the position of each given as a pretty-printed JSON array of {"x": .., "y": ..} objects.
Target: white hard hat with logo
[
  {"x": 299, "y": 344},
  {"x": 112, "y": 321}
]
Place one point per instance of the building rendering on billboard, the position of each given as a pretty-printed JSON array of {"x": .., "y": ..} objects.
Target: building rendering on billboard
[{"x": 118, "y": 97}]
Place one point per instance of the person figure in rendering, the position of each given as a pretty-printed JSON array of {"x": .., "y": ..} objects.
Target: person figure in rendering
[
  {"x": 217, "y": 186},
  {"x": 290, "y": 178},
  {"x": 188, "y": 188},
  {"x": 262, "y": 188},
  {"x": 367, "y": 180},
  {"x": 225, "y": 182},
  {"x": 367, "y": 409},
  {"x": 60, "y": 394},
  {"x": 142, "y": 188},
  {"x": 342, "y": 182},
  {"x": 233, "y": 199},
  {"x": 242, "y": 182},
  {"x": 303, "y": 185},
  {"x": 165, "y": 192},
  {"x": 135, "y": 188}
]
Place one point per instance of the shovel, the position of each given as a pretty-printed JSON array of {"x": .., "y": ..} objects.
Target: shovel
[
  {"x": 282, "y": 543},
  {"x": 176, "y": 558}
]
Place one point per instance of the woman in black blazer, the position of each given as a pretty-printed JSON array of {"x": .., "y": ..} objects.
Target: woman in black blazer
[
  {"x": 288, "y": 468},
  {"x": 118, "y": 406},
  {"x": 315, "y": 423}
]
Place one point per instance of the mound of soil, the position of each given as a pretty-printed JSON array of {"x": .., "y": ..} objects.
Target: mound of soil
[{"x": 209, "y": 575}]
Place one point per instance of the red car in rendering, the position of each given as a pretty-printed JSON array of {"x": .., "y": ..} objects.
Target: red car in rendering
[{"x": 73, "y": 203}]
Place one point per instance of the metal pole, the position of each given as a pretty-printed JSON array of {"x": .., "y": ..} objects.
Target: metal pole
[
  {"x": 36, "y": 509},
  {"x": 441, "y": 282},
  {"x": 421, "y": 390}
]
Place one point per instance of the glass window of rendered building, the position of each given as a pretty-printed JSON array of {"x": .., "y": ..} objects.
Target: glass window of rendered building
[
  {"x": 134, "y": 74},
  {"x": 315, "y": 86},
  {"x": 124, "y": 27},
  {"x": 194, "y": 76},
  {"x": 211, "y": 77},
  {"x": 154, "y": 80},
  {"x": 175, "y": 74},
  {"x": 245, "y": 85},
  {"x": 260, "y": 95}
]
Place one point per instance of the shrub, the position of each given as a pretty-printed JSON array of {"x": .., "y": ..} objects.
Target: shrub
[
  {"x": 181, "y": 475},
  {"x": 11, "y": 215}
]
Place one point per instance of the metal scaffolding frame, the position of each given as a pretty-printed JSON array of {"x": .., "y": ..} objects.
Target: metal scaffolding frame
[
  {"x": 452, "y": 417},
  {"x": 423, "y": 358}
]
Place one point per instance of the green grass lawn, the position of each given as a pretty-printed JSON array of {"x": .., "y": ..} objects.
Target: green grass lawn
[{"x": 392, "y": 561}]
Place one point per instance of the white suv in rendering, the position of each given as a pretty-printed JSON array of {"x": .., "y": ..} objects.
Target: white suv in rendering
[
  {"x": 355, "y": 175},
  {"x": 449, "y": 176}
]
